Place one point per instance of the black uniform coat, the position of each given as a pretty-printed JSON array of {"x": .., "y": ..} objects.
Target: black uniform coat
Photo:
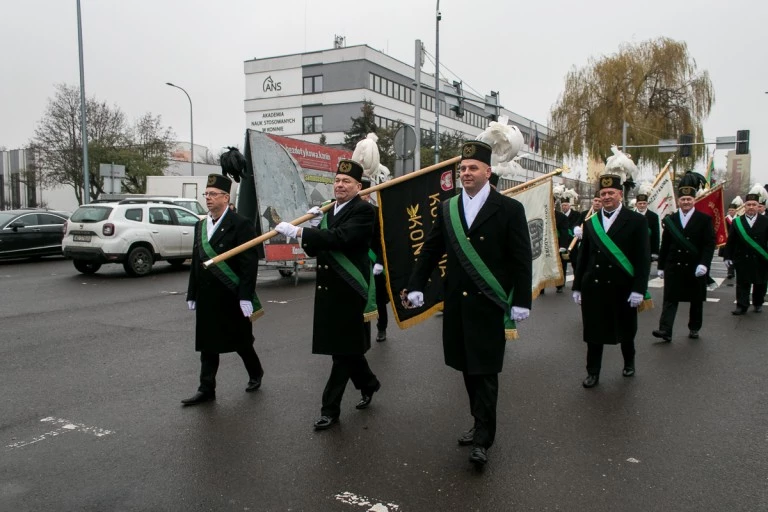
[
  {"x": 220, "y": 324},
  {"x": 653, "y": 230},
  {"x": 605, "y": 287},
  {"x": 473, "y": 325},
  {"x": 679, "y": 264},
  {"x": 561, "y": 225},
  {"x": 750, "y": 266},
  {"x": 382, "y": 297},
  {"x": 338, "y": 327}
]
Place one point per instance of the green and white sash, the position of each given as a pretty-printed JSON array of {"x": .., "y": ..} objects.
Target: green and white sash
[
  {"x": 679, "y": 236},
  {"x": 224, "y": 272},
  {"x": 478, "y": 271},
  {"x": 619, "y": 258},
  {"x": 751, "y": 241},
  {"x": 352, "y": 275}
]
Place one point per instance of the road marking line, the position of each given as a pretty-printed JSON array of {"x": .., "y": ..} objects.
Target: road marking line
[
  {"x": 362, "y": 501},
  {"x": 66, "y": 426},
  {"x": 712, "y": 299}
]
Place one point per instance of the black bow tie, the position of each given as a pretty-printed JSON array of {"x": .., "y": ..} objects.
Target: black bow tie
[
  {"x": 750, "y": 218},
  {"x": 608, "y": 214}
]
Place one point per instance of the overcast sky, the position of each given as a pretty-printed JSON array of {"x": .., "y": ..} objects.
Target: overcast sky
[{"x": 523, "y": 49}]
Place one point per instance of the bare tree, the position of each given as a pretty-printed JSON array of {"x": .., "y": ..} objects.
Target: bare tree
[{"x": 655, "y": 86}]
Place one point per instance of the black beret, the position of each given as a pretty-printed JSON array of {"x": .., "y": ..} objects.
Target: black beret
[{"x": 220, "y": 182}]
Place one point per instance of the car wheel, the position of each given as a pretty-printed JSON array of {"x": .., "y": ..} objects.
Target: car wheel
[
  {"x": 177, "y": 262},
  {"x": 87, "y": 267},
  {"x": 286, "y": 273},
  {"x": 139, "y": 262}
]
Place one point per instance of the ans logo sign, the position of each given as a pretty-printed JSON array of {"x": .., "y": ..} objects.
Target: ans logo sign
[{"x": 270, "y": 85}]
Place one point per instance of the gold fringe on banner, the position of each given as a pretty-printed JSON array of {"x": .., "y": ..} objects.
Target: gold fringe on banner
[
  {"x": 646, "y": 305},
  {"x": 368, "y": 317},
  {"x": 256, "y": 315},
  {"x": 546, "y": 284},
  {"x": 511, "y": 334},
  {"x": 410, "y": 322}
]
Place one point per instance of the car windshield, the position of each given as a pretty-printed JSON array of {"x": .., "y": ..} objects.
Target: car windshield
[
  {"x": 191, "y": 205},
  {"x": 5, "y": 218},
  {"x": 91, "y": 214}
]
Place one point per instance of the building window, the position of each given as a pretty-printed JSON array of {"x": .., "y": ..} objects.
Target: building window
[
  {"x": 313, "y": 84},
  {"x": 389, "y": 88},
  {"x": 313, "y": 124}
]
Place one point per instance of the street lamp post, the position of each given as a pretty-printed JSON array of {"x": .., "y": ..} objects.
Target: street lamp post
[
  {"x": 191, "y": 129},
  {"x": 438, "y": 17}
]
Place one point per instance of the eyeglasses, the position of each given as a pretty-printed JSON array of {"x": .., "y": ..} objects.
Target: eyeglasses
[{"x": 214, "y": 194}]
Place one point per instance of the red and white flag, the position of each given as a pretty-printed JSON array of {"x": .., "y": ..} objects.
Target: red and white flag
[{"x": 661, "y": 200}]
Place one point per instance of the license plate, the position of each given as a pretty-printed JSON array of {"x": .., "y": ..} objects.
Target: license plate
[{"x": 81, "y": 238}]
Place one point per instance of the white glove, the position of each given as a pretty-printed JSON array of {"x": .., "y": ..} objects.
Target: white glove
[
  {"x": 728, "y": 262},
  {"x": 287, "y": 229},
  {"x": 577, "y": 232},
  {"x": 577, "y": 298},
  {"x": 519, "y": 314},
  {"x": 700, "y": 271},
  {"x": 191, "y": 304},
  {"x": 318, "y": 213},
  {"x": 246, "y": 307},
  {"x": 562, "y": 250},
  {"x": 635, "y": 299},
  {"x": 378, "y": 269},
  {"x": 660, "y": 274},
  {"x": 416, "y": 299}
]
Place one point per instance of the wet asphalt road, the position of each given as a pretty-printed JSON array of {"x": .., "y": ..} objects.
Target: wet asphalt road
[{"x": 94, "y": 367}]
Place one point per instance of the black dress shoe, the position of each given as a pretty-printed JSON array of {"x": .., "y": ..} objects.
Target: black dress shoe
[
  {"x": 559, "y": 289},
  {"x": 365, "y": 400},
  {"x": 628, "y": 371},
  {"x": 479, "y": 456},
  {"x": 467, "y": 438},
  {"x": 662, "y": 334},
  {"x": 694, "y": 335},
  {"x": 591, "y": 381},
  {"x": 739, "y": 311},
  {"x": 759, "y": 309},
  {"x": 199, "y": 398},
  {"x": 253, "y": 385},
  {"x": 381, "y": 335},
  {"x": 326, "y": 422}
]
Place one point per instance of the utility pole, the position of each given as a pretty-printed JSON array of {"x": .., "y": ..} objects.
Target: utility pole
[
  {"x": 437, "y": 83},
  {"x": 417, "y": 115},
  {"x": 83, "y": 120},
  {"x": 624, "y": 137}
]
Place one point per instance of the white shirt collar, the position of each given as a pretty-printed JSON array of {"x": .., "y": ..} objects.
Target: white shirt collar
[
  {"x": 685, "y": 217},
  {"x": 608, "y": 221},
  {"x": 337, "y": 207},
  {"x": 213, "y": 227},
  {"x": 472, "y": 205}
]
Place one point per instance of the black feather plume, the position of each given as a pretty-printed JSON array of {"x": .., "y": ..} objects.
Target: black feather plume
[
  {"x": 233, "y": 164},
  {"x": 693, "y": 179}
]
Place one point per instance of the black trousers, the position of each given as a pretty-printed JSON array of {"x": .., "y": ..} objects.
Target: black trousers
[
  {"x": 345, "y": 368},
  {"x": 565, "y": 272},
  {"x": 209, "y": 365},
  {"x": 742, "y": 293},
  {"x": 669, "y": 311},
  {"x": 383, "y": 320},
  {"x": 381, "y": 301},
  {"x": 595, "y": 356},
  {"x": 483, "y": 392}
]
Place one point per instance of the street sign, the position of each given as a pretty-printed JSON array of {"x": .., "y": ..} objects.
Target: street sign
[
  {"x": 725, "y": 142},
  {"x": 111, "y": 171},
  {"x": 405, "y": 141},
  {"x": 667, "y": 145}
]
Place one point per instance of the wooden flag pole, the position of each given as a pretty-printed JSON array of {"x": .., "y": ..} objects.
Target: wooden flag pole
[
  {"x": 304, "y": 218},
  {"x": 663, "y": 171},
  {"x": 575, "y": 240},
  {"x": 528, "y": 184}
]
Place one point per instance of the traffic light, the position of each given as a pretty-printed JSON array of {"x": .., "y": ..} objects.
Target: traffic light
[
  {"x": 459, "y": 109},
  {"x": 742, "y": 142},
  {"x": 686, "y": 150}
]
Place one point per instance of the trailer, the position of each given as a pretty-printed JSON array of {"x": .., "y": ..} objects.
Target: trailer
[{"x": 285, "y": 177}]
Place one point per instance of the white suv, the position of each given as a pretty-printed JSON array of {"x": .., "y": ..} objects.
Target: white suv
[{"x": 136, "y": 235}]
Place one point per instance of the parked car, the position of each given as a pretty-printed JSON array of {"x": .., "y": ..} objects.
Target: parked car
[
  {"x": 30, "y": 233},
  {"x": 134, "y": 234}
]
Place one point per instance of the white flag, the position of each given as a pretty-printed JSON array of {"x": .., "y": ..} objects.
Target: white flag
[
  {"x": 540, "y": 212},
  {"x": 661, "y": 200}
]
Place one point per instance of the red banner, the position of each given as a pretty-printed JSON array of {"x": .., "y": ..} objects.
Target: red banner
[
  {"x": 312, "y": 156},
  {"x": 712, "y": 204}
]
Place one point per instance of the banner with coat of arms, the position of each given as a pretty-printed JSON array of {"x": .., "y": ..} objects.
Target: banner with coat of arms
[
  {"x": 711, "y": 203},
  {"x": 661, "y": 199}
]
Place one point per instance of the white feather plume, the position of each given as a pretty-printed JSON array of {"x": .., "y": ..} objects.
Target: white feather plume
[
  {"x": 558, "y": 191},
  {"x": 632, "y": 202},
  {"x": 505, "y": 140},
  {"x": 571, "y": 195},
  {"x": 510, "y": 170},
  {"x": 381, "y": 175},
  {"x": 701, "y": 192},
  {"x": 737, "y": 201},
  {"x": 621, "y": 164},
  {"x": 645, "y": 188},
  {"x": 758, "y": 189},
  {"x": 367, "y": 154}
]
